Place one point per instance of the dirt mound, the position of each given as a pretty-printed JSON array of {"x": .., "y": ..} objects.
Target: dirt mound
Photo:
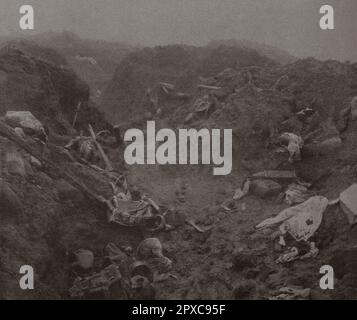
[
  {"x": 182, "y": 66},
  {"x": 92, "y": 60},
  {"x": 271, "y": 52},
  {"x": 53, "y": 219},
  {"x": 37, "y": 207},
  {"x": 259, "y": 100},
  {"x": 215, "y": 249},
  {"x": 48, "y": 90}
]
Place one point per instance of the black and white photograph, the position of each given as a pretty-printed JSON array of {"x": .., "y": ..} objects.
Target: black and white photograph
[{"x": 178, "y": 150}]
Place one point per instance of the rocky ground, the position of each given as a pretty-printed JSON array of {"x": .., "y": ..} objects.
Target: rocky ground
[{"x": 44, "y": 217}]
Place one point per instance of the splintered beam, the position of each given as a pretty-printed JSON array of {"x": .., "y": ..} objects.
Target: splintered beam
[{"x": 106, "y": 160}]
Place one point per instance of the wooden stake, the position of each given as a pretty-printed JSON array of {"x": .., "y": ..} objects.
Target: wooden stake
[{"x": 106, "y": 160}]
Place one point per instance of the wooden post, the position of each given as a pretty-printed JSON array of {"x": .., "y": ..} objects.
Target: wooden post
[
  {"x": 106, "y": 160},
  {"x": 76, "y": 115}
]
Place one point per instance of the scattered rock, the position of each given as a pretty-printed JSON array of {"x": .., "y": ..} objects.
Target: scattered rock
[
  {"x": 150, "y": 251},
  {"x": 27, "y": 121},
  {"x": 35, "y": 162},
  {"x": 20, "y": 132}
]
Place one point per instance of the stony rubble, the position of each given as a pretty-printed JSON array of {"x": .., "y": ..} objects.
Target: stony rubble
[{"x": 260, "y": 103}]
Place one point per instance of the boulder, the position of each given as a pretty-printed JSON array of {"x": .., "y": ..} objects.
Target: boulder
[
  {"x": 20, "y": 132},
  {"x": 265, "y": 188},
  {"x": 35, "y": 162},
  {"x": 27, "y": 121}
]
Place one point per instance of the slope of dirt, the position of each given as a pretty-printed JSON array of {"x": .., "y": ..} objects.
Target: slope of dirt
[
  {"x": 232, "y": 260},
  {"x": 92, "y": 60},
  {"x": 54, "y": 219},
  {"x": 271, "y": 52},
  {"x": 205, "y": 263},
  {"x": 49, "y": 91},
  {"x": 43, "y": 218},
  {"x": 126, "y": 95}
]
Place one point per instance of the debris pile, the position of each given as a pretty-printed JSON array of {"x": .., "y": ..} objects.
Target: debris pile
[
  {"x": 121, "y": 276},
  {"x": 294, "y": 145}
]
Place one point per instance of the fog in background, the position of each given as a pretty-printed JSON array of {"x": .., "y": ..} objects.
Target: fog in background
[{"x": 292, "y": 25}]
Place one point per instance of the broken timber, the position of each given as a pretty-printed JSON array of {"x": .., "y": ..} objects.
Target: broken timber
[
  {"x": 76, "y": 114},
  {"x": 275, "y": 174},
  {"x": 202, "y": 86},
  {"x": 107, "y": 162}
]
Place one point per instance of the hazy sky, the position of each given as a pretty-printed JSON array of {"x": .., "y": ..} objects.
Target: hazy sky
[{"x": 289, "y": 24}]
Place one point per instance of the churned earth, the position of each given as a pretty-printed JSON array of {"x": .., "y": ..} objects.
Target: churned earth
[{"x": 44, "y": 217}]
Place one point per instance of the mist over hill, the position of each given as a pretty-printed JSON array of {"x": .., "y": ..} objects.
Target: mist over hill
[{"x": 92, "y": 60}]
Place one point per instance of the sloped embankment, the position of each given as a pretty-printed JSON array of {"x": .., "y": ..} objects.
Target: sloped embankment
[
  {"x": 309, "y": 98},
  {"x": 43, "y": 216}
]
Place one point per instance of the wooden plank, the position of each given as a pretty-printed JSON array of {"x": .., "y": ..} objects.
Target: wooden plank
[{"x": 202, "y": 86}]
